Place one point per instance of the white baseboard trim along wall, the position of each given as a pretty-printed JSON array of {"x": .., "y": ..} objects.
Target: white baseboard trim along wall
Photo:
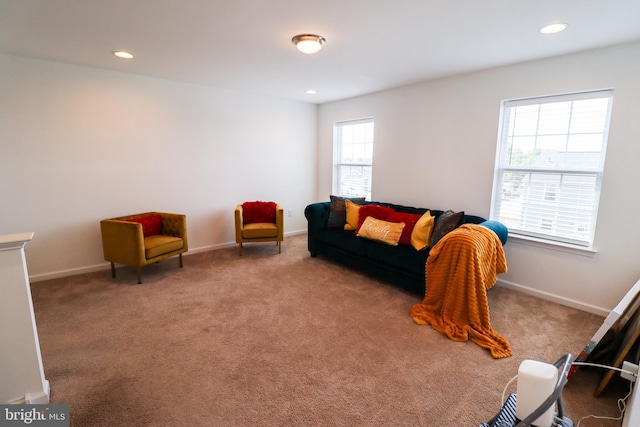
[
  {"x": 555, "y": 298},
  {"x": 107, "y": 266}
]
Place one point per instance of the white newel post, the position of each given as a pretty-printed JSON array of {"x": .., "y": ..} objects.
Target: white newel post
[{"x": 21, "y": 371}]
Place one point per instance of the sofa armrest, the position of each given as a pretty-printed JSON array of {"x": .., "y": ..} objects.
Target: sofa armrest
[
  {"x": 499, "y": 228},
  {"x": 280, "y": 221},
  {"x": 317, "y": 215},
  {"x": 122, "y": 242},
  {"x": 239, "y": 222}
]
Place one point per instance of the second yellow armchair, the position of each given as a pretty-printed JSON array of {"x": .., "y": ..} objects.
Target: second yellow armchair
[{"x": 259, "y": 222}]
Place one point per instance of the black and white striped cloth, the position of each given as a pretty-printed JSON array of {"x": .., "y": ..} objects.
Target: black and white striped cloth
[{"x": 507, "y": 416}]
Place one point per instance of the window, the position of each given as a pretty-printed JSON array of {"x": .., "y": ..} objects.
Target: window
[
  {"x": 353, "y": 141},
  {"x": 549, "y": 165}
]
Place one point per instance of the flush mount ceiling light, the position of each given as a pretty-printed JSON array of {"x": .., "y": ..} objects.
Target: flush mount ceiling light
[
  {"x": 308, "y": 43},
  {"x": 553, "y": 28},
  {"x": 122, "y": 54}
]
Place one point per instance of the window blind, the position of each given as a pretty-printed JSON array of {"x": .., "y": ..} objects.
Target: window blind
[
  {"x": 549, "y": 164},
  {"x": 354, "y": 159}
]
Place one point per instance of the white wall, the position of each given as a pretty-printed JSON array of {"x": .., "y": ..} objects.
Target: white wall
[
  {"x": 435, "y": 147},
  {"x": 78, "y": 145}
]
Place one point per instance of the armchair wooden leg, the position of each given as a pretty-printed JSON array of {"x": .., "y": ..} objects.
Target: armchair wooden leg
[
  {"x": 279, "y": 247},
  {"x": 139, "y": 271},
  {"x": 113, "y": 270},
  {"x": 240, "y": 248},
  {"x": 180, "y": 256}
]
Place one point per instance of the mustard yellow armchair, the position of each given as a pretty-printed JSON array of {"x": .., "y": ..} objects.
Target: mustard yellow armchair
[
  {"x": 142, "y": 239},
  {"x": 259, "y": 222}
]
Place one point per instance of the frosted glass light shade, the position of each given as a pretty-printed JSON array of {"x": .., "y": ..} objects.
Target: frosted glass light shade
[{"x": 308, "y": 43}]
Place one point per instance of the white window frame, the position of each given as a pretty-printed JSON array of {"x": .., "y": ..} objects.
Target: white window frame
[
  {"x": 522, "y": 184},
  {"x": 364, "y": 142}
]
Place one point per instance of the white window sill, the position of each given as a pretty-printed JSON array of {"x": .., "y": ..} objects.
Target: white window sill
[{"x": 546, "y": 244}]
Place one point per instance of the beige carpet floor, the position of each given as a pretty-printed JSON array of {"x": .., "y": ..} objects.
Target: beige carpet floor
[{"x": 286, "y": 340}]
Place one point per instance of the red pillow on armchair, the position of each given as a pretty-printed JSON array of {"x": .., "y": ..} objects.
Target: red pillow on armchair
[
  {"x": 253, "y": 212},
  {"x": 151, "y": 224}
]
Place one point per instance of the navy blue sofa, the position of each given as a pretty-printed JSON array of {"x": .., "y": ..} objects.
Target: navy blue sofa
[{"x": 400, "y": 265}]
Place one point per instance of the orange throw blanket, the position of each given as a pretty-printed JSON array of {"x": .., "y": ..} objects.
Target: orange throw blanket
[{"x": 460, "y": 269}]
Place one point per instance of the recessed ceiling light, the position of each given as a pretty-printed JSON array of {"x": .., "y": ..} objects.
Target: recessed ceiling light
[
  {"x": 553, "y": 28},
  {"x": 123, "y": 54},
  {"x": 310, "y": 92}
]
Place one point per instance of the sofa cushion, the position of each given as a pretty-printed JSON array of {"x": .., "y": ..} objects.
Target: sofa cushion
[
  {"x": 254, "y": 212},
  {"x": 381, "y": 231},
  {"x": 346, "y": 240},
  {"x": 353, "y": 214},
  {"x": 421, "y": 234},
  {"x": 338, "y": 210},
  {"x": 260, "y": 229},
  {"x": 159, "y": 244},
  {"x": 444, "y": 224},
  {"x": 399, "y": 257},
  {"x": 375, "y": 211},
  {"x": 151, "y": 224},
  {"x": 409, "y": 220}
]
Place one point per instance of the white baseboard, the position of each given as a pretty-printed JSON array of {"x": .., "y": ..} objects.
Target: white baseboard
[
  {"x": 41, "y": 398},
  {"x": 107, "y": 266},
  {"x": 510, "y": 285},
  {"x": 600, "y": 311},
  {"x": 68, "y": 272}
]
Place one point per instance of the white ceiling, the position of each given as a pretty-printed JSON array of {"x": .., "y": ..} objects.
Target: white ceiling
[{"x": 246, "y": 45}]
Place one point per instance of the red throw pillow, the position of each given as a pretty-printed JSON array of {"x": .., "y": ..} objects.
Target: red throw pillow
[
  {"x": 409, "y": 220},
  {"x": 376, "y": 211},
  {"x": 253, "y": 212},
  {"x": 151, "y": 224}
]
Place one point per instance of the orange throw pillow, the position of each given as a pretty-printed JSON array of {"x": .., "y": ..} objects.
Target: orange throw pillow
[{"x": 381, "y": 231}]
